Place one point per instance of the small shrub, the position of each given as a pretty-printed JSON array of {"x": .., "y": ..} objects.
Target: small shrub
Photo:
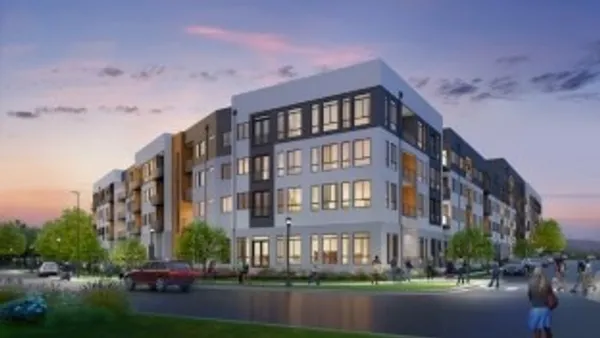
[{"x": 105, "y": 294}]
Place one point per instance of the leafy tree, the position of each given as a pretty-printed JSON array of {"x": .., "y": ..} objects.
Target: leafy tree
[
  {"x": 548, "y": 236},
  {"x": 128, "y": 253},
  {"x": 70, "y": 237},
  {"x": 523, "y": 248},
  {"x": 12, "y": 239},
  {"x": 199, "y": 243},
  {"x": 470, "y": 244}
]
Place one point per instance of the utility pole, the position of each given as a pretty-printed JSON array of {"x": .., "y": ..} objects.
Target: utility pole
[{"x": 78, "y": 230}]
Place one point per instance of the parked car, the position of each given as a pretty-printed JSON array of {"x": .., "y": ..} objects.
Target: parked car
[
  {"x": 160, "y": 275},
  {"x": 49, "y": 269},
  {"x": 515, "y": 269}
]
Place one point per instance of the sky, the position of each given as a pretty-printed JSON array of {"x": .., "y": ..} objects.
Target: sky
[{"x": 85, "y": 84}]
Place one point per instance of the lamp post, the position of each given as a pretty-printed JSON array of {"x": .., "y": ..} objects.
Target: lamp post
[
  {"x": 78, "y": 230},
  {"x": 288, "y": 226},
  {"x": 151, "y": 245},
  {"x": 58, "y": 244}
]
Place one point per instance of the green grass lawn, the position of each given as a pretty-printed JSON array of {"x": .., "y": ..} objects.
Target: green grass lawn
[
  {"x": 142, "y": 326},
  {"x": 414, "y": 286}
]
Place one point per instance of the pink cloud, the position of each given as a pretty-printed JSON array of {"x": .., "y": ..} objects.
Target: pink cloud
[{"x": 270, "y": 44}]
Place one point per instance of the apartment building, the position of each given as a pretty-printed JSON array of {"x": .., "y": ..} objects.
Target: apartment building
[
  {"x": 108, "y": 206},
  {"x": 533, "y": 208},
  {"x": 353, "y": 157}
]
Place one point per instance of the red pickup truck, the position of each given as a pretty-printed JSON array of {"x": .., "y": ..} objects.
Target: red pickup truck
[{"x": 160, "y": 275}]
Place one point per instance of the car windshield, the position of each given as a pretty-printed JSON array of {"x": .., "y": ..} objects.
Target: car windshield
[
  {"x": 180, "y": 266},
  {"x": 49, "y": 265}
]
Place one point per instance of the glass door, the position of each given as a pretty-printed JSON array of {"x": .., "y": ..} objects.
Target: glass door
[{"x": 260, "y": 253}]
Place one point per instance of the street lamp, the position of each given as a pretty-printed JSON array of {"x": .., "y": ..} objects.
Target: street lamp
[
  {"x": 288, "y": 226},
  {"x": 78, "y": 230},
  {"x": 151, "y": 246},
  {"x": 58, "y": 244}
]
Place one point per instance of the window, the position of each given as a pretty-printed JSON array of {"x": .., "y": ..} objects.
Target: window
[
  {"x": 261, "y": 130},
  {"x": 294, "y": 123},
  {"x": 226, "y": 171},
  {"x": 201, "y": 209},
  {"x": 202, "y": 148},
  {"x": 315, "y": 198},
  {"x": 346, "y": 195},
  {"x": 445, "y": 158},
  {"x": 314, "y": 248},
  {"x": 295, "y": 249},
  {"x": 227, "y": 139},
  {"x": 280, "y": 164},
  {"x": 261, "y": 204},
  {"x": 243, "y": 166},
  {"x": 421, "y": 136},
  {"x": 346, "y": 154},
  {"x": 261, "y": 168},
  {"x": 330, "y": 116},
  {"x": 393, "y": 115},
  {"x": 243, "y": 131},
  {"x": 280, "y": 125},
  {"x": 200, "y": 178},
  {"x": 361, "y": 243},
  {"x": 315, "y": 159},
  {"x": 315, "y": 119},
  {"x": 226, "y": 204},
  {"x": 242, "y": 201},
  {"x": 346, "y": 113},
  {"x": 362, "y": 152},
  {"x": 331, "y": 157},
  {"x": 294, "y": 200},
  {"x": 345, "y": 248},
  {"x": 294, "y": 162},
  {"x": 387, "y": 154},
  {"x": 280, "y": 201},
  {"x": 392, "y": 247},
  {"x": 393, "y": 196},
  {"x": 242, "y": 249},
  {"x": 362, "y": 110},
  {"x": 362, "y": 194},
  {"x": 393, "y": 156},
  {"x": 329, "y": 197},
  {"x": 421, "y": 205},
  {"x": 330, "y": 249},
  {"x": 196, "y": 155}
]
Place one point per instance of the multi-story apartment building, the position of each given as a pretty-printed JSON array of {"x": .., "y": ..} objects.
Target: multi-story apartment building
[
  {"x": 353, "y": 157},
  {"x": 108, "y": 205}
]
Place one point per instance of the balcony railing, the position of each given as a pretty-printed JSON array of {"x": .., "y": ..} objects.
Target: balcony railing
[{"x": 409, "y": 210}]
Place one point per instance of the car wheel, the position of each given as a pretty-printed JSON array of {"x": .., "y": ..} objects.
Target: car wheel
[
  {"x": 185, "y": 288},
  {"x": 129, "y": 284},
  {"x": 160, "y": 285}
]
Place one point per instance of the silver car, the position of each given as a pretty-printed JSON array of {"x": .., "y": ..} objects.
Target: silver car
[{"x": 49, "y": 269}]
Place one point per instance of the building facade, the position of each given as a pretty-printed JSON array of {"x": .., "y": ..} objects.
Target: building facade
[{"x": 353, "y": 157}]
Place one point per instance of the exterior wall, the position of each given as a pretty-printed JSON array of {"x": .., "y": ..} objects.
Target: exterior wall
[
  {"x": 503, "y": 225},
  {"x": 455, "y": 216},
  {"x": 105, "y": 210}
]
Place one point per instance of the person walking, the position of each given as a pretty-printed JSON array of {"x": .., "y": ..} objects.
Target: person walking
[
  {"x": 560, "y": 271},
  {"x": 376, "y": 270},
  {"x": 393, "y": 268},
  {"x": 461, "y": 271},
  {"x": 409, "y": 268},
  {"x": 496, "y": 272},
  {"x": 429, "y": 269},
  {"x": 581, "y": 268},
  {"x": 543, "y": 300}
]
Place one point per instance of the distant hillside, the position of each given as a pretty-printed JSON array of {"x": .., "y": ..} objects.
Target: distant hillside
[{"x": 583, "y": 245}]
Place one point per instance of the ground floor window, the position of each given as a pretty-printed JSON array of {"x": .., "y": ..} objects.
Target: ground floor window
[
  {"x": 314, "y": 249},
  {"x": 260, "y": 252},
  {"x": 330, "y": 249},
  {"x": 392, "y": 247},
  {"x": 345, "y": 248},
  {"x": 241, "y": 249},
  {"x": 361, "y": 243},
  {"x": 295, "y": 243}
]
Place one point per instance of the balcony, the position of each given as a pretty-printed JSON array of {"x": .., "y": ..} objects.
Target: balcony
[
  {"x": 157, "y": 199},
  {"x": 189, "y": 166},
  {"x": 446, "y": 193},
  {"x": 110, "y": 216},
  {"x": 121, "y": 215},
  {"x": 157, "y": 225},
  {"x": 409, "y": 176},
  {"x": 156, "y": 174},
  {"x": 121, "y": 196},
  {"x": 134, "y": 183},
  {"x": 409, "y": 210},
  {"x": 446, "y": 222},
  {"x": 134, "y": 206}
]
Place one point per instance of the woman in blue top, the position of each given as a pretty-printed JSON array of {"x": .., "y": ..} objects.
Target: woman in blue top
[{"x": 543, "y": 301}]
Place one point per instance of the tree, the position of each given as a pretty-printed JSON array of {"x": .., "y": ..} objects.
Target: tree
[
  {"x": 199, "y": 243},
  {"x": 523, "y": 248},
  {"x": 128, "y": 253},
  {"x": 12, "y": 240},
  {"x": 70, "y": 237},
  {"x": 547, "y": 236},
  {"x": 470, "y": 244}
]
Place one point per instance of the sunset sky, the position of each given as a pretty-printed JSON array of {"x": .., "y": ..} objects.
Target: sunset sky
[{"x": 84, "y": 84}]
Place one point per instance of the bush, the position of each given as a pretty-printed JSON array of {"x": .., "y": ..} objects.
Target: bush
[
  {"x": 107, "y": 295},
  {"x": 11, "y": 289}
]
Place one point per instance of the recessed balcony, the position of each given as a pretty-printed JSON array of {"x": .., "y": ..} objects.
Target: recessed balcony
[
  {"x": 157, "y": 199},
  {"x": 157, "y": 225}
]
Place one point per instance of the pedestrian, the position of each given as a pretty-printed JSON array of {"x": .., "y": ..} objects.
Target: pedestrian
[
  {"x": 496, "y": 272},
  {"x": 581, "y": 267},
  {"x": 462, "y": 267},
  {"x": 393, "y": 268},
  {"x": 376, "y": 270},
  {"x": 409, "y": 268},
  {"x": 543, "y": 300},
  {"x": 560, "y": 268},
  {"x": 429, "y": 270},
  {"x": 314, "y": 275}
]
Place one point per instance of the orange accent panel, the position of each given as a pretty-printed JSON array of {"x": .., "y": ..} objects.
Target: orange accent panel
[
  {"x": 409, "y": 201},
  {"x": 409, "y": 161}
]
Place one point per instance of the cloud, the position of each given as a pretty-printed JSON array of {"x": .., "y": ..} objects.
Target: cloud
[
  {"x": 419, "y": 82},
  {"x": 44, "y": 110},
  {"x": 512, "y": 60},
  {"x": 111, "y": 71},
  {"x": 287, "y": 71},
  {"x": 148, "y": 73},
  {"x": 25, "y": 115},
  {"x": 456, "y": 88},
  {"x": 580, "y": 97},
  {"x": 504, "y": 86},
  {"x": 565, "y": 81},
  {"x": 269, "y": 44}
]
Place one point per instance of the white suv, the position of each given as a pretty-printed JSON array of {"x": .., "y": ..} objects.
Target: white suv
[{"x": 48, "y": 269}]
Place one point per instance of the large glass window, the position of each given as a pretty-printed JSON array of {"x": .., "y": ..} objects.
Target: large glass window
[
  {"x": 294, "y": 123},
  {"x": 294, "y": 162},
  {"x": 315, "y": 119},
  {"x": 261, "y": 130},
  {"x": 331, "y": 156},
  {"x": 295, "y": 243},
  {"x": 294, "y": 200},
  {"x": 346, "y": 195},
  {"x": 362, "y": 110},
  {"x": 261, "y": 168},
  {"x": 362, "y": 194},
  {"x": 362, "y": 245},
  {"x": 330, "y": 249},
  {"x": 315, "y": 159},
  {"x": 260, "y": 252},
  {"x": 362, "y": 152},
  {"x": 346, "y": 154},
  {"x": 243, "y": 166},
  {"x": 330, "y": 116},
  {"x": 329, "y": 198},
  {"x": 281, "y": 125},
  {"x": 345, "y": 249},
  {"x": 261, "y": 204},
  {"x": 280, "y": 164},
  {"x": 315, "y": 198},
  {"x": 314, "y": 249}
]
